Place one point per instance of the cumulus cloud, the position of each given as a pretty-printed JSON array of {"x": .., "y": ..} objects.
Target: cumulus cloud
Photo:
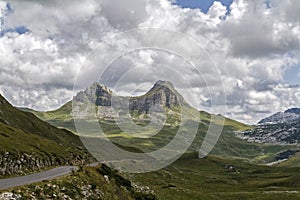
[
  {"x": 252, "y": 46},
  {"x": 124, "y": 17},
  {"x": 261, "y": 31}
]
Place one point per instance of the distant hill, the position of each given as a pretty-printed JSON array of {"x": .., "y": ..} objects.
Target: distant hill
[
  {"x": 28, "y": 143},
  {"x": 280, "y": 128},
  {"x": 289, "y": 115}
]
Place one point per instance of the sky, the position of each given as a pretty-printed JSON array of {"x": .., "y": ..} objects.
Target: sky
[
  {"x": 203, "y": 5},
  {"x": 239, "y": 58}
]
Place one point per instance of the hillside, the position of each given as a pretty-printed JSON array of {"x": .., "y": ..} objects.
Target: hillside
[{"x": 30, "y": 144}]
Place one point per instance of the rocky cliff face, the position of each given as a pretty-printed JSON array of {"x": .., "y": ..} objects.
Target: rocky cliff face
[
  {"x": 289, "y": 115},
  {"x": 96, "y": 93},
  {"x": 162, "y": 93},
  {"x": 12, "y": 163},
  {"x": 280, "y": 128}
]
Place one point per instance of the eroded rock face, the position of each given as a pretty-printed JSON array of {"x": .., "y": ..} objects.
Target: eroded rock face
[
  {"x": 97, "y": 94},
  {"x": 21, "y": 163},
  {"x": 162, "y": 93}
]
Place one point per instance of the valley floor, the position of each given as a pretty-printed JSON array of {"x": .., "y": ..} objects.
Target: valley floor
[
  {"x": 214, "y": 178},
  {"x": 211, "y": 178}
]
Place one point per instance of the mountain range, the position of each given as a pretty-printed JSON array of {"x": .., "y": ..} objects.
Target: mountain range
[{"x": 163, "y": 93}]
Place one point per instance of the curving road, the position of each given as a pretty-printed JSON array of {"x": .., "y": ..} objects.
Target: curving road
[{"x": 34, "y": 178}]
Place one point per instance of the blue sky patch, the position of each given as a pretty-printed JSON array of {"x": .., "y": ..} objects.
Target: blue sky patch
[
  {"x": 20, "y": 29},
  {"x": 204, "y": 5},
  {"x": 292, "y": 75},
  {"x": 268, "y": 3}
]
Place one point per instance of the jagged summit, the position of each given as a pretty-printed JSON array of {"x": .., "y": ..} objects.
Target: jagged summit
[
  {"x": 162, "y": 83},
  {"x": 96, "y": 93},
  {"x": 162, "y": 93}
]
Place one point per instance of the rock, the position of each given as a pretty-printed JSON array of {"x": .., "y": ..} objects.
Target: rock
[
  {"x": 106, "y": 178},
  {"x": 9, "y": 196},
  {"x": 98, "y": 94}
]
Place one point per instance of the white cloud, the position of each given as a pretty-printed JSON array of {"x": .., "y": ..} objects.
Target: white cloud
[
  {"x": 252, "y": 45},
  {"x": 217, "y": 12},
  {"x": 124, "y": 16}
]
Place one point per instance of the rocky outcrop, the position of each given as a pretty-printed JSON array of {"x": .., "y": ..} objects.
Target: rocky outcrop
[
  {"x": 277, "y": 133},
  {"x": 162, "y": 93},
  {"x": 97, "y": 94},
  {"x": 280, "y": 128},
  {"x": 22, "y": 163}
]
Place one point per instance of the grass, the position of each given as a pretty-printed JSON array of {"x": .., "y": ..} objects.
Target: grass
[
  {"x": 187, "y": 178},
  {"x": 208, "y": 179},
  {"x": 228, "y": 145},
  {"x": 15, "y": 140},
  {"x": 24, "y": 133}
]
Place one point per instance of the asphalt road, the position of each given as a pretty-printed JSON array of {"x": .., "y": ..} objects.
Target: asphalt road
[{"x": 34, "y": 178}]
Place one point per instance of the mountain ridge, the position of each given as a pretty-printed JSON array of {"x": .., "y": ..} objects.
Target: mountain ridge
[
  {"x": 162, "y": 92},
  {"x": 289, "y": 115},
  {"x": 281, "y": 128}
]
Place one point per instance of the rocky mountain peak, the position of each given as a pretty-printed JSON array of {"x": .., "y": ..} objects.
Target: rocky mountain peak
[
  {"x": 163, "y": 93},
  {"x": 96, "y": 93},
  {"x": 164, "y": 84}
]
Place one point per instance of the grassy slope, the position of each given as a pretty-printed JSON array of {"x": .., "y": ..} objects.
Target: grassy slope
[
  {"x": 59, "y": 118},
  {"x": 23, "y": 132},
  {"x": 15, "y": 140},
  {"x": 28, "y": 122}
]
